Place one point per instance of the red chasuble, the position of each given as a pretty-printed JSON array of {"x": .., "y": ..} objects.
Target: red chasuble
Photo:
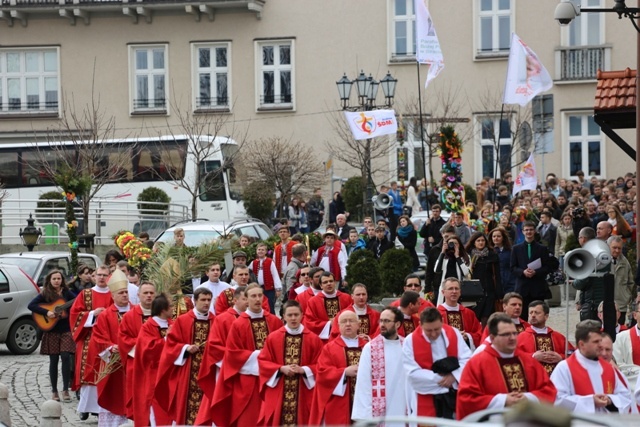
[
  {"x": 334, "y": 359},
  {"x": 320, "y": 310},
  {"x": 635, "y": 346},
  {"x": 213, "y": 353},
  {"x": 464, "y": 320},
  {"x": 582, "y": 382},
  {"x": 236, "y": 399},
  {"x": 183, "y": 399},
  {"x": 149, "y": 346},
  {"x": 424, "y": 304},
  {"x": 424, "y": 358},
  {"x": 487, "y": 374},
  {"x": 105, "y": 335},
  {"x": 519, "y": 328},
  {"x": 369, "y": 323},
  {"x": 86, "y": 301},
  {"x": 304, "y": 298},
  {"x": 225, "y": 301},
  {"x": 129, "y": 329},
  {"x": 409, "y": 325},
  {"x": 289, "y": 402},
  {"x": 530, "y": 342}
]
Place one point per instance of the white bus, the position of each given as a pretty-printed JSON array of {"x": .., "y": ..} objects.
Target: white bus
[{"x": 161, "y": 162}]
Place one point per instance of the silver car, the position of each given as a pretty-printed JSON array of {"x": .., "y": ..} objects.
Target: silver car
[
  {"x": 38, "y": 264},
  {"x": 202, "y": 230},
  {"x": 17, "y": 328}
]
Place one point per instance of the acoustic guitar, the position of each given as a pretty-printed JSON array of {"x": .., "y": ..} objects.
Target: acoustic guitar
[{"x": 59, "y": 307}]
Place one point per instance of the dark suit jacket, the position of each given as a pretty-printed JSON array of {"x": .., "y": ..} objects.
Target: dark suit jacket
[
  {"x": 345, "y": 232},
  {"x": 549, "y": 238},
  {"x": 535, "y": 287}
]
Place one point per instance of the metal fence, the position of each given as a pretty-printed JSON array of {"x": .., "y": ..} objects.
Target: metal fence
[
  {"x": 581, "y": 63},
  {"x": 106, "y": 217}
]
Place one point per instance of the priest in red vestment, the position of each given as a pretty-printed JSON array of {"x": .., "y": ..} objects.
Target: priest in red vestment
[
  {"x": 214, "y": 353},
  {"x": 225, "y": 299},
  {"x": 409, "y": 307},
  {"x": 287, "y": 366},
  {"x": 129, "y": 329},
  {"x": 434, "y": 358},
  {"x": 82, "y": 317},
  {"x": 322, "y": 308},
  {"x": 540, "y": 341},
  {"x": 457, "y": 315},
  {"x": 303, "y": 298},
  {"x": 104, "y": 343},
  {"x": 512, "y": 306},
  {"x": 149, "y": 347},
  {"x": 369, "y": 318},
  {"x": 501, "y": 376},
  {"x": 177, "y": 389},
  {"x": 413, "y": 283},
  {"x": 330, "y": 256},
  {"x": 337, "y": 370},
  {"x": 236, "y": 399}
]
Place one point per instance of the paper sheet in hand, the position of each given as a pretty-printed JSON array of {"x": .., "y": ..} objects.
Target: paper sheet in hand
[{"x": 535, "y": 264}]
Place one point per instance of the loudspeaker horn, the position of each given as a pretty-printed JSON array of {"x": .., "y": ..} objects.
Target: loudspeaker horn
[
  {"x": 579, "y": 263},
  {"x": 381, "y": 202},
  {"x": 600, "y": 251}
]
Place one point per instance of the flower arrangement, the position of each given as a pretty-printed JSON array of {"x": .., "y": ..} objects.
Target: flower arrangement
[
  {"x": 452, "y": 190},
  {"x": 123, "y": 237}
]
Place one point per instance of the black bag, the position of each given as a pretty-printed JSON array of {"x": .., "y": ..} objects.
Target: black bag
[
  {"x": 445, "y": 366},
  {"x": 471, "y": 290}
]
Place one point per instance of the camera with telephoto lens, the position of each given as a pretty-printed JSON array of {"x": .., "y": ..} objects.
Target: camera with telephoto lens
[
  {"x": 578, "y": 212},
  {"x": 451, "y": 246}
]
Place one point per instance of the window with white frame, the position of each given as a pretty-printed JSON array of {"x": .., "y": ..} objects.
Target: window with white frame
[
  {"x": 29, "y": 80},
  {"x": 495, "y": 133},
  {"x": 585, "y": 145},
  {"x": 276, "y": 74},
  {"x": 586, "y": 29},
  {"x": 403, "y": 29},
  {"x": 495, "y": 24},
  {"x": 211, "y": 80},
  {"x": 149, "y": 76}
]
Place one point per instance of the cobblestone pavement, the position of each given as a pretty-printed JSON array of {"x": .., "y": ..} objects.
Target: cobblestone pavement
[{"x": 27, "y": 378}]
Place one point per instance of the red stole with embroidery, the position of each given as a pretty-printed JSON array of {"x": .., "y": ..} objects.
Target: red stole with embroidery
[
  {"x": 378, "y": 377},
  {"x": 581, "y": 381},
  {"x": 635, "y": 345}
]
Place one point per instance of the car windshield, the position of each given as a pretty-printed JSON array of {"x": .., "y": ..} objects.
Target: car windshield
[
  {"x": 192, "y": 237},
  {"x": 29, "y": 265}
]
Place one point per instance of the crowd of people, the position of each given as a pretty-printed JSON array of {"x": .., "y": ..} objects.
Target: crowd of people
[{"x": 327, "y": 357}]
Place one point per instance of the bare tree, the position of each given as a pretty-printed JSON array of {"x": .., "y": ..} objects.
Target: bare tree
[
  {"x": 444, "y": 106},
  {"x": 283, "y": 166},
  {"x": 361, "y": 155},
  {"x": 200, "y": 130},
  {"x": 77, "y": 143},
  {"x": 516, "y": 128}
]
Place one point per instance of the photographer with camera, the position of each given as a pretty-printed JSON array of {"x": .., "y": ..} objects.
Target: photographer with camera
[
  {"x": 580, "y": 220},
  {"x": 453, "y": 261}
]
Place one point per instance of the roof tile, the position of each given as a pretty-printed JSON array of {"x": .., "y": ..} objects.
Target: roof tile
[{"x": 616, "y": 90}]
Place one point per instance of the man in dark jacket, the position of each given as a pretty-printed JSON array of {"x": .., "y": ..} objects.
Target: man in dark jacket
[
  {"x": 430, "y": 230},
  {"x": 380, "y": 244},
  {"x": 592, "y": 287},
  {"x": 530, "y": 265},
  {"x": 315, "y": 210},
  {"x": 547, "y": 231},
  {"x": 432, "y": 279}
]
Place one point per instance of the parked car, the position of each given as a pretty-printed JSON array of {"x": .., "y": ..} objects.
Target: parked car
[
  {"x": 17, "y": 328},
  {"x": 418, "y": 220},
  {"x": 38, "y": 264},
  {"x": 202, "y": 230}
]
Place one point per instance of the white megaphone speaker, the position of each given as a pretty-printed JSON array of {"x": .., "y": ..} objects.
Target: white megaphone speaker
[
  {"x": 381, "y": 202},
  {"x": 579, "y": 264},
  {"x": 593, "y": 256}
]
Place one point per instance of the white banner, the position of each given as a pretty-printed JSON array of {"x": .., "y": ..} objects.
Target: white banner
[
  {"x": 526, "y": 76},
  {"x": 527, "y": 179},
  {"x": 427, "y": 44},
  {"x": 369, "y": 124}
]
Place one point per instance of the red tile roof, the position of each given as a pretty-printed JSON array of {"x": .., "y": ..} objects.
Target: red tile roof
[{"x": 616, "y": 90}]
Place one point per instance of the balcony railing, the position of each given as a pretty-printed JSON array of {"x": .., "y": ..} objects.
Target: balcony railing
[{"x": 581, "y": 63}]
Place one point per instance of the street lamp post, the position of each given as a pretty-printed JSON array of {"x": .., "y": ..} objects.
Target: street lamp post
[
  {"x": 367, "y": 88},
  {"x": 30, "y": 235}
]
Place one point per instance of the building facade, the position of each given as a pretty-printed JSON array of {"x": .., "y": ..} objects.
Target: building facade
[{"x": 269, "y": 68}]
